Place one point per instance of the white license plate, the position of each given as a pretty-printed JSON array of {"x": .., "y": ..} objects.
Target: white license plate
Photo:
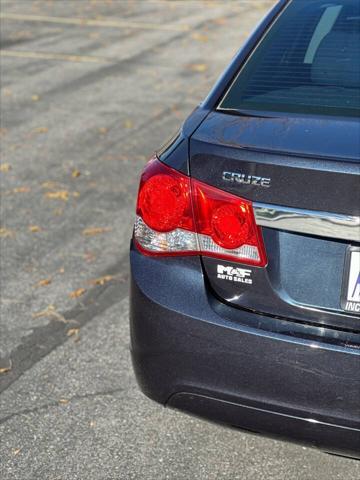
[{"x": 350, "y": 298}]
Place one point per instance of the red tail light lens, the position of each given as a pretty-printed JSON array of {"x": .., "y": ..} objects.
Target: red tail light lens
[
  {"x": 229, "y": 227},
  {"x": 177, "y": 216},
  {"x": 226, "y": 218},
  {"x": 162, "y": 202},
  {"x": 164, "y": 199}
]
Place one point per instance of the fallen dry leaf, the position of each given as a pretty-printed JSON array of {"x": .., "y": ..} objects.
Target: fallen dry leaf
[
  {"x": 43, "y": 313},
  {"x": 198, "y": 67},
  {"x": 34, "y": 228},
  {"x": 5, "y": 232},
  {"x": 44, "y": 283},
  {"x": 89, "y": 257},
  {"x": 21, "y": 190},
  {"x": 102, "y": 280},
  {"x": 41, "y": 130},
  {"x": 128, "y": 124},
  {"x": 95, "y": 231},
  {"x": 77, "y": 293},
  {"x": 59, "y": 195},
  {"x": 73, "y": 331},
  {"x": 75, "y": 173},
  {"x": 102, "y": 130},
  {"x": 7, "y": 92},
  {"x": 50, "y": 185},
  {"x": 220, "y": 21},
  {"x": 200, "y": 37},
  {"x": 6, "y": 369},
  {"x": 76, "y": 194},
  {"x": 35, "y": 98},
  {"x": 5, "y": 167},
  {"x": 63, "y": 401},
  {"x": 50, "y": 311},
  {"x": 176, "y": 111}
]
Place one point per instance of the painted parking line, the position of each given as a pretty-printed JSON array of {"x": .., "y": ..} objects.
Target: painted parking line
[
  {"x": 96, "y": 23},
  {"x": 54, "y": 56}
]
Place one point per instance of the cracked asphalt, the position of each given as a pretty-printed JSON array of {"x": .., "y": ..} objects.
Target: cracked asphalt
[{"x": 89, "y": 89}]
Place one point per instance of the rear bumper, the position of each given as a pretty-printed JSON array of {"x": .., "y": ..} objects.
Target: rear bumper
[
  {"x": 330, "y": 437},
  {"x": 190, "y": 353}
]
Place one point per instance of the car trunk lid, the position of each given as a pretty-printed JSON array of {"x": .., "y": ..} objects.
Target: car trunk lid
[{"x": 305, "y": 165}]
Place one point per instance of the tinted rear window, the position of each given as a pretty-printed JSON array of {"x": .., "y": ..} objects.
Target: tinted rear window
[{"x": 308, "y": 62}]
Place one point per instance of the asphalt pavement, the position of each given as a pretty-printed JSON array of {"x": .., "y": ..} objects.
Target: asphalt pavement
[{"x": 89, "y": 89}]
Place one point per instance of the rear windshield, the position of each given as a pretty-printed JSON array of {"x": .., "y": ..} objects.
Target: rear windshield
[{"x": 308, "y": 62}]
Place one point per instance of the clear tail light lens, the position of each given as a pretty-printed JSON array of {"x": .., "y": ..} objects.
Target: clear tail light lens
[{"x": 177, "y": 215}]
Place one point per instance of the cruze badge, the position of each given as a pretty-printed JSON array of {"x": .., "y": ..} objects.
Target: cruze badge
[{"x": 246, "y": 179}]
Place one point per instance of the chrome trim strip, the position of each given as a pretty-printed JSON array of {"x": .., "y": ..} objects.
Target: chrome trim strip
[{"x": 310, "y": 222}]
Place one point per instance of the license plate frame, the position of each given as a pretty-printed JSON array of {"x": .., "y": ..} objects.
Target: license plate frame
[{"x": 350, "y": 291}]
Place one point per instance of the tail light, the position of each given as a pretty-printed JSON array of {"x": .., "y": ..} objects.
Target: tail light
[{"x": 177, "y": 215}]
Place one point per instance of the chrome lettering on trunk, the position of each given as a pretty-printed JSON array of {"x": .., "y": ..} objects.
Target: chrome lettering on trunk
[{"x": 245, "y": 179}]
